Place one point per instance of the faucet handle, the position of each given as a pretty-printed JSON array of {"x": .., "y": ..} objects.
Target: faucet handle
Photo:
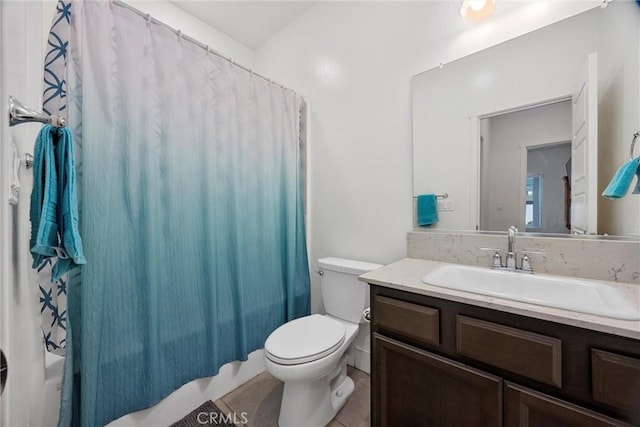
[
  {"x": 497, "y": 259},
  {"x": 525, "y": 252},
  {"x": 525, "y": 262}
]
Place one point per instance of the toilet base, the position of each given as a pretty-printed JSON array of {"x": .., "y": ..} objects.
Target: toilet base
[{"x": 314, "y": 404}]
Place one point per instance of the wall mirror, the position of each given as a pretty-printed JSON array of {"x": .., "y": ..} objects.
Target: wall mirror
[{"x": 529, "y": 132}]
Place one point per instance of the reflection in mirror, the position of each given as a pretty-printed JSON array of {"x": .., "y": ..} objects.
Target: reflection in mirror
[
  {"x": 547, "y": 199},
  {"x": 486, "y": 126},
  {"x": 542, "y": 155}
]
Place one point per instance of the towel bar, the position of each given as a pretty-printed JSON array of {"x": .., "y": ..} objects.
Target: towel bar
[
  {"x": 20, "y": 113},
  {"x": 439, "y": 196},
  {"x": 28, "y": 160},
  {"x": 633, "y": 144}
]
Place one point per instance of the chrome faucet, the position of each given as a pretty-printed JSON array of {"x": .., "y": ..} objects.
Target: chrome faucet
[
  {"x": 511, "y": 257},
  {"x": 511, "y": 260},
  {"x": 511, "y": 237}
]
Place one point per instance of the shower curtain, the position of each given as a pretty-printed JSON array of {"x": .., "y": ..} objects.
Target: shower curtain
[{"x": 191, "y": 213}]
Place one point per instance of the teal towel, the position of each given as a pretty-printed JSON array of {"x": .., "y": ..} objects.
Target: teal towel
[
  {"x": 637, "y": 189},
  {"x": 54, "y": 206},
  {"x": 427, "y": 209},
  {"x": 68, "y": 206},
  {"x": 621, "y": 181},
  {"x": 44, "y": 200}
]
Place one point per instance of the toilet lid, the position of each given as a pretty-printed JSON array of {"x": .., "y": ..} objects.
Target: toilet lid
[{"x": 304, "y": 340}]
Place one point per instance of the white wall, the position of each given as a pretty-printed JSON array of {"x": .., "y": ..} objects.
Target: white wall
[
  {"x": 354, "y": 61},
  {"x": 29, "y": 396},
  {"x": 618, "y": 91},
  {"x": 509, "y": 134}
]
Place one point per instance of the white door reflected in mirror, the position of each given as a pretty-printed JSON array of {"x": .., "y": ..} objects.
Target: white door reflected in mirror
[{"x": 584, "y": 150}]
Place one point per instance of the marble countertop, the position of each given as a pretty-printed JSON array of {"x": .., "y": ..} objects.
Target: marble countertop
[{"x": 406, "y": 275}]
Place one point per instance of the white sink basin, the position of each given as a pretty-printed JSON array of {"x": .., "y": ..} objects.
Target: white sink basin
[{"x": 584, "y": 296}]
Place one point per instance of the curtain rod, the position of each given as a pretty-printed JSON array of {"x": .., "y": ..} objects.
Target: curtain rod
[{"x": 190, "y": 39}]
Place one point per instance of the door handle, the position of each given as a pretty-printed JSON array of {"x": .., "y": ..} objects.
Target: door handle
[{"x": 3, "y": 371}]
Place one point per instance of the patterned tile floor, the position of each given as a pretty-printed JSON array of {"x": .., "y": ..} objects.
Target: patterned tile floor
[{"x": 260, "y": 399}]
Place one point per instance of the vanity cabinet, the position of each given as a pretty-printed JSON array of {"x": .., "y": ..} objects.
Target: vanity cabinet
[{"x": 437, "y": 362}]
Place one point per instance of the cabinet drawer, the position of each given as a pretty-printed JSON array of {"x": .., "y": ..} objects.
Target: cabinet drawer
[
  {"x": 407, "y": 319},
  {"x": 524, "y": 407},
  {"x": 531, "y": 355},
  {"x": 616, "y": 380}
]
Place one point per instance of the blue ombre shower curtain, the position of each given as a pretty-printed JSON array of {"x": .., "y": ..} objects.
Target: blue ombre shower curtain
[{"x": 190, "y": 210}]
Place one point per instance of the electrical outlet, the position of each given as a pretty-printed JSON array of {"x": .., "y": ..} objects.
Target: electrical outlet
[
  {"x": 445, "y": 204},
  {"x": 448, "y": 204}
]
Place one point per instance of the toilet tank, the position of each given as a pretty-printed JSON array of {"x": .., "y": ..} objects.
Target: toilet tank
[{"x": 343, "y": 295}]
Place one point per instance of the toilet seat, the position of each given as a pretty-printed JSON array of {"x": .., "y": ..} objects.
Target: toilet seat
[{"x": 304, "y": 340}]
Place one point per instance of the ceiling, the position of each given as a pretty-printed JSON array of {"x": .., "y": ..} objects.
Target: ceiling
[
  {"x": 250, "y": 22},
  {"x": 254, "y": 22}
]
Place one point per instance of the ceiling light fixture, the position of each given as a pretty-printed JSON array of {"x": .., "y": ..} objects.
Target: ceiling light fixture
[
  {"x": 605, "y": 3},
  {"x": 475, "y": 10}
]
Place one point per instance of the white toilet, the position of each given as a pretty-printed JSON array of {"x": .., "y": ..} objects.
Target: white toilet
[{"x": 308, "y": 354}]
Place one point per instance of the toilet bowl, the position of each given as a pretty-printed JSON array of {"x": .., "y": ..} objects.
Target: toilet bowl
[{"x": 308, "y": 354}]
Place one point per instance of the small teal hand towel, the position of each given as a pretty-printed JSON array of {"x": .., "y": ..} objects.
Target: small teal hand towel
[
  {"x": 621, "y": 181},
  {"x": 54, "y": 207},
  {"x": 427, "y": 209},
  {"x": 67, "y": 205},
  {"x": 44, "y": 200}
]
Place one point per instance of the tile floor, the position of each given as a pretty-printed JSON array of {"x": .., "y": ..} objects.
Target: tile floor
[{"x": 260, "y": 399}]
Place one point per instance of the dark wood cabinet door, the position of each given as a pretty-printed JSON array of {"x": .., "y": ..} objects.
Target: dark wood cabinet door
[
  {"x": 412, "y": 387},
  {"x": 528, "y": 408}
]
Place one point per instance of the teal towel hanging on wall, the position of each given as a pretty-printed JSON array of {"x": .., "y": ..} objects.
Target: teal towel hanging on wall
[
  {"x": 621, "y": 181},
  {"x": 427, "y": 209}
]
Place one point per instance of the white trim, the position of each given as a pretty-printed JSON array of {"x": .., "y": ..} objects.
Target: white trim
[
  {"x": 523, "y": 182},
  {"x": 541, "y": 103},
  {"x": 474, "y": 170}
]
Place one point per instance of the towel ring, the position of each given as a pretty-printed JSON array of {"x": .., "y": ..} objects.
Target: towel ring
[{"x": 633, "y": 144}]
